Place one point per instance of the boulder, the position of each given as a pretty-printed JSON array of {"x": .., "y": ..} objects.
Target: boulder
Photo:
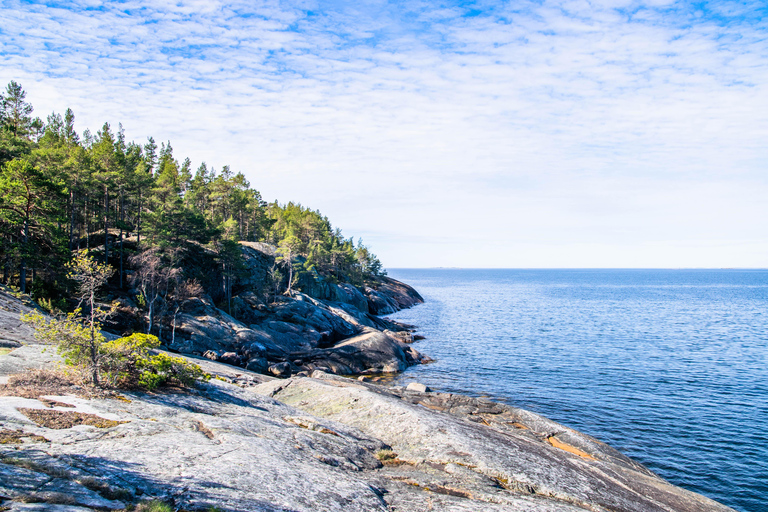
[
  {"x": 230, "y": 358},
  {"x": 372, "y": 350},
  {"x": 282, "y": 370},
  {"x": 415, "y": 386},
  {"x": 257, "y": 364},
  {"x": 213, "y": 355}
]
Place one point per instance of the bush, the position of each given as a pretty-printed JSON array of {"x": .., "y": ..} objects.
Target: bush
[
  {"x": 124, "y": 362},
  {"x": 129, "y": 362}
]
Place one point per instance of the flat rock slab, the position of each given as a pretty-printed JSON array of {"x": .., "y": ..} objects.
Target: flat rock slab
[
  {"x": 522, "y": 460},
  {"x": 312, "y": 444},
  {"x": 13, "y": 332},
  {"x": 29, "y": 357}
]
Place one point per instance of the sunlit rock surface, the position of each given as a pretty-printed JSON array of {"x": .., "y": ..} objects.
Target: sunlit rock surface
[{"x": 246, "y": 442}]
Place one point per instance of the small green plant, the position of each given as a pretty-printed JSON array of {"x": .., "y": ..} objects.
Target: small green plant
[
  {"x": 52, "y": 306},
  {"x": 384, "y": 455},
  {"x": 124, "y": 362},
  {"x": 154, "y": 506}
]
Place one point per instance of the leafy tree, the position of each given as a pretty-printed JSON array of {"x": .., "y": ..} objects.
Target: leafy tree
[{"x": 155, "y": 272}]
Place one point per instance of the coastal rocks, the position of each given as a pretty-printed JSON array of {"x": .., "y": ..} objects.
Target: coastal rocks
[
  {"x": 13, "y": 333},
  {"x": 370, "y": 352},
  {"x": 258, "y": 365},
  {"x": 318, "y": 288},
  {"x": 520, "y": 460},
  {"x": 308, "y": 313},
  {"x": 299, "y": 329},
  {"x": 282, "y": 370},
  {"x": 219, "y": 446},
  {"x": 259, "y": 259},
  {"x": 417, "y": 387},
  {"x": 314, "y": 444},
  {"x": 390, "y": 295}
]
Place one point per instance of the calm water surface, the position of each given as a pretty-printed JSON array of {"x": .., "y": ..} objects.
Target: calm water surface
[{"x": 668, "y": 366}]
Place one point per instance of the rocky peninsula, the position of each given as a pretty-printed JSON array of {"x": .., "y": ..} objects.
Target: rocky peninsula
[{"x": 278, "y": 428}]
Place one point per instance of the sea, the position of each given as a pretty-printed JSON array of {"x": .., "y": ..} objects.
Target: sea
[{"x": 667, "y": 366}]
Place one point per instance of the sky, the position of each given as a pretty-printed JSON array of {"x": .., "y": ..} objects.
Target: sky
[{"x": 523, "y": 134}]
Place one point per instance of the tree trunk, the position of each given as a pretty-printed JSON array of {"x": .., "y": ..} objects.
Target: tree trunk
[
  {"x": 106, "y": 225},
  {"x": 87, "y": 227},
  {"x": 71, "y": 218},
  {"x": 23, "y": 269},
  {"x": 173, "y": 332},
  {"x": 138, "y": 224},
  {"x": 290, "y": 272},
  {"x": 122, "y": 221},
  {"x": 151, "y": 315},
  {"x": 94, "y": 348}
]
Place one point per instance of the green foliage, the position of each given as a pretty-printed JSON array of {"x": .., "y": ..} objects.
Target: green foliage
[
  {"x": 154, "y": 506},
  {"x": 130, "y": 363},
  {"x": 123, "y": 362},
  {"x": 70, "y": 334},
  {"x": 61, "y": 192}
]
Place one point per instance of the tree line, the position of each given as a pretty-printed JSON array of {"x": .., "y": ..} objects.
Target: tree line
[{"x": 62, "y": 192}]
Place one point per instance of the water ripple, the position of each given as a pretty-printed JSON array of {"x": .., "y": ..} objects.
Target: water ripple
[{"x": 668, "y": 366}]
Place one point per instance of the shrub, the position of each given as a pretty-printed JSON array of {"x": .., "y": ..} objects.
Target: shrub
[
  {"x": 130, "y": 362},
  {"x": 124, "y": 362}
]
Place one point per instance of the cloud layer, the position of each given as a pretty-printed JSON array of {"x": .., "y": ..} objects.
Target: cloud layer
[{"x": 520, "y": 134}]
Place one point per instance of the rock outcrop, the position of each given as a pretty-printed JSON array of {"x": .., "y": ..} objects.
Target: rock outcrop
[
  {"x": 13, "y": 333},
  {"x": 326, "y": 325},
  {"x": 308, "y": 444}
]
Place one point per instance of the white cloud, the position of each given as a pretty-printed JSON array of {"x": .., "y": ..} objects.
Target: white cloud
[{"x": 564, "y": 133}]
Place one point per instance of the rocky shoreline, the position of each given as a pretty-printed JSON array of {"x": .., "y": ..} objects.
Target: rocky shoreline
[
  {"x": 250, "y": 442},
  {"x": 314, "y": 441}
]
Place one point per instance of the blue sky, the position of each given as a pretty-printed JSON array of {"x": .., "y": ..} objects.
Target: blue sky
[{"x": 605, "y": 133}]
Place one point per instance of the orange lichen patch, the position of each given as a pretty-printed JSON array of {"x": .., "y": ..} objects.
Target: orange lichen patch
[
  {"x": 519, "y": 425},
  {"x": 66, "y": 419},
  {"x": 389, "y": 458},
  {"x": 567, "y": 447}
]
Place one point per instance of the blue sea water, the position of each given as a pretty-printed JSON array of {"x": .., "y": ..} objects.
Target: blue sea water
[{"x": 668, "y": 366}]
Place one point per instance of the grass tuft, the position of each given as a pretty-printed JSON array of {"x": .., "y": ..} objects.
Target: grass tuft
[{"x": 153, "y": 506}]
